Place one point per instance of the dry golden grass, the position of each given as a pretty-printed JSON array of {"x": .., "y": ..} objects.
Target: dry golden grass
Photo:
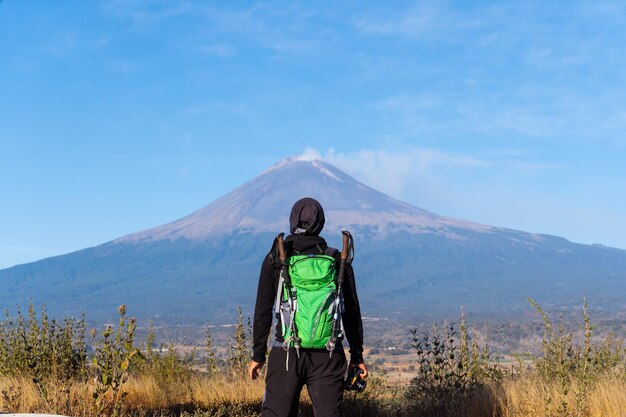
[
  {"x": 530, "y": 397},
  {"x": 145, "y": 392},
  {"x": 526, "y": 396}
]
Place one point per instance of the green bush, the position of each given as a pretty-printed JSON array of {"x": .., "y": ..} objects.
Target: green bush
[
  {"x": 575, "y": 365},
  {"x": 450, "y": 367},
  {"x": 113, "y": 355},
  {"x": 50, "y": 353}
]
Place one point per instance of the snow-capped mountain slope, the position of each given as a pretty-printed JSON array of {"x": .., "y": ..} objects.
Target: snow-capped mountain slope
[
  {"x": 263, "y": 204},
  {"x": 409, "y": 262}
]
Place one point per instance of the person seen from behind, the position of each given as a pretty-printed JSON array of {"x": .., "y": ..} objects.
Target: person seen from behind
[{"x": 308, "y": 350}]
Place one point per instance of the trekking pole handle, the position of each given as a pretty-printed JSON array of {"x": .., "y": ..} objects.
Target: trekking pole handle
[
  {"x": 346, "y": 245},
  {"x": 345, "y": 252},
  {"x": 282, "y": 255},
  {"x": 281, "y": 248}
]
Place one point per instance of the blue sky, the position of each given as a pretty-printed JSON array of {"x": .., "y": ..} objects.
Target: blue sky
[{"x": 119, "y": 115}]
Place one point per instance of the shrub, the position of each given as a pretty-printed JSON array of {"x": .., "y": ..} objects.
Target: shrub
[
  {"x": 450, "y": 367},
  {"x": 48, "y": 352},
  {"x": 240, "y": 347},
  {"x": 575, "y": 366},
  {"x": 113, "y": 354}
]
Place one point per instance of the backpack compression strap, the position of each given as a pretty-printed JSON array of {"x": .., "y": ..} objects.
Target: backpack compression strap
[
  {"x": 287, "y": 281},
  {"x": 346, "y": 252}
]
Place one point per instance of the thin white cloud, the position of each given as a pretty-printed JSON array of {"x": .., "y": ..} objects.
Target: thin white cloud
[
  {"x": 184, "y": 172},
  {"x": 62, "y": 44},
  {"x": 526, "y": 167},
  {"x": 277, "y": 29},
  {"x": 147, "y": 12},
  {"x": 529, "y": 110},
  {"x": 283, "y": 30},
  {"x": 399, "y": 172},
  {"x": 220, "y": 50},
  {"x": 309, "y": 154},
  {"x": 243, "y": 109},
  {"x": 121, "y": 66},
  {"x": 418, "y": 176},
  {"x": 436, "y": 179},
  {"x": 416, "y": 21}
]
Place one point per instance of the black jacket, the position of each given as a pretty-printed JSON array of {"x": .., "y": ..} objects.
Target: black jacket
[{"x": 266, "y": 294}]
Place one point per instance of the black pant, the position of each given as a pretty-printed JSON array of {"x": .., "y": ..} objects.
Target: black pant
[{"x": 322, "y": 374}]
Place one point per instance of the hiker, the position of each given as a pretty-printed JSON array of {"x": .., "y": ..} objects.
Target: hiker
[{"x": 291, "y": 366}]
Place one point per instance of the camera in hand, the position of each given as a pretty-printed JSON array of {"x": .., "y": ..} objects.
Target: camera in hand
[{"x": 353, "y": 381}]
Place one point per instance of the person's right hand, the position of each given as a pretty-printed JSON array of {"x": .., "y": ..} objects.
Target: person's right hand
[
  {"x": 362, "y": 367},
  {"x": 254, "y": 368}
]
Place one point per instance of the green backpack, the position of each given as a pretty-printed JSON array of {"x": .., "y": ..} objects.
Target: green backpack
[
  {"x": 314, "y": 305},
  {"x": 309, "y": 301}
]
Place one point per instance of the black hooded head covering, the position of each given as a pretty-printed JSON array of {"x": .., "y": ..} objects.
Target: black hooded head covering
[{"x": 307, "y": 217}]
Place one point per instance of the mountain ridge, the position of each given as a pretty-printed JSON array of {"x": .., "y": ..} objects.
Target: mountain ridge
[
  {"x": 269, "y": 209},
  {"x": 409, "y": 262}
]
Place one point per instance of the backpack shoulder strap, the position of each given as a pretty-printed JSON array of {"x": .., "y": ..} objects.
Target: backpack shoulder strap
[
  {"x": 272, "y": 255},
  {"x": 332, "y": 252}
]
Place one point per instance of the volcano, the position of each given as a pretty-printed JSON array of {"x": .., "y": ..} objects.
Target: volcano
[
  {"x": 409, "y": 262},
  {"x": 263, "y": 205}
]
